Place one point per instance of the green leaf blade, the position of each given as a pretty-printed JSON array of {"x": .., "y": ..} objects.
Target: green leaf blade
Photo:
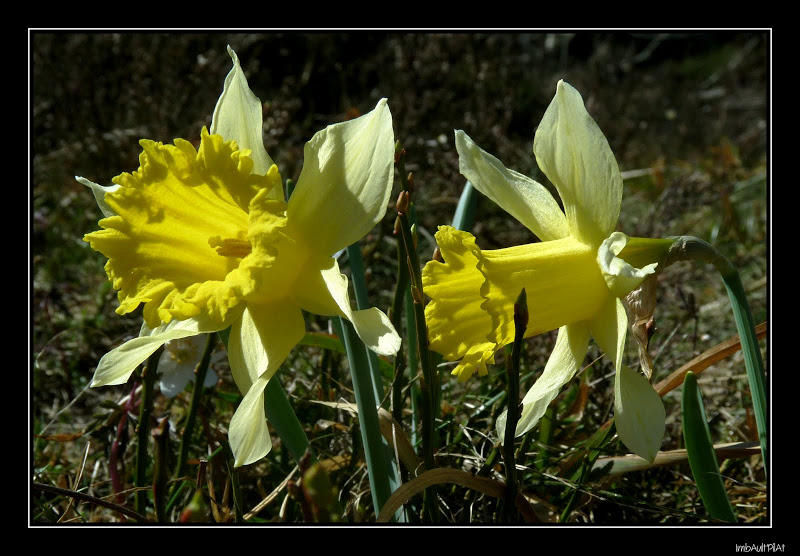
[{"x": 700, "y": 450}]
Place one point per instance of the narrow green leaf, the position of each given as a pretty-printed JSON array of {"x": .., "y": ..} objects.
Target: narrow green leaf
[
  {"x": 700, "y": 450},
  {"x": 375, "y": 449},
  {"x": 143, "y": 429},
  {"x": 284, "y": 421},
  {"x": 465, "y": 211},
  {"x": 358, "y": 275},
  {"x": 362, "y": 302},
  {"x": 692, "y": 248},
  {"x": 512, "y": 368},
  {"x": 752, "y": 355},
  {"x": 334, "y": 343}
]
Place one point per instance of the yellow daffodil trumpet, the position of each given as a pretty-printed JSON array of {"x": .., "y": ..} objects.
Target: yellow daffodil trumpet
[
  {"x": 204, "y": 240},
  {"x": 574, "y": 277}
]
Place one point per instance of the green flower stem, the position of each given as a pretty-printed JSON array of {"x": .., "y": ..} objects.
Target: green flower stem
[
  {"x": 398, "y": 385},
  {"x": 194, "y": 404},
  {"x": 362, "y": 302},
  {"x": 700, "y": 450},
  {"x": 161, "y": 442},
  {"x": 692, "y": 248},
  {"x": 402, "y": 285},
  {"x": 358, "y": 276},
  {"x": 512, "y": 368},
  {"x": 375, "y": 450},
  {"x": 143, "y": 429},
  {"x": 429, "y": 383},
  {"x": 413, "y": 364},
  {"x": 401, "y": 289}
]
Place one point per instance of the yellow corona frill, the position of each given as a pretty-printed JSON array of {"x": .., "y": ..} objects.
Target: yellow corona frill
[
  {"x": 204, "y": 240},
  {"x": 573, "y": 277}
]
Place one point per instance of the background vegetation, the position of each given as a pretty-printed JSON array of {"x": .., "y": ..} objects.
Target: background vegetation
[{"x": 686, "y": 115}]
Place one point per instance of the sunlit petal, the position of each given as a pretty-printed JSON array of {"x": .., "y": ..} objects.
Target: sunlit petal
[
  {"x": 326, "y": 292},
  {"x": 99, "y": 192},
  {"x": 261, "y": 340},
  {"x": 574, "y": 154},
  {"x": 566, "y": 359},
  {"x": 523, "y": 198},
  {"x": 638, "y": 413},
  {"x": 621, "y": 277},
  {"x": 238, "y": 117},
  {"x": 376, "y": 331},
  {"x": 609, "y": 328},
  {"x": 117, "y": 365},
  {"x": 344, "y": 187},
  {"x": 248, "y": 432}
]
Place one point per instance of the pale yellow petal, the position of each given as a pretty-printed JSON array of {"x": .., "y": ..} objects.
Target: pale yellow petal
[
  {"x": 325, "y": 291},
  {"x": 344, "y": 187},
  {"x": 566, "y": 359},
  {"x": 99, "y": 192},
  {"x": 574, "y": 154},
  {"x": 116, "y": 366},
  {"x": 238, "y": 117},
  {"x": 523, "y": 198},
  {"x": 376, "y": 331},
  {"x": 621, "y": 277},
  {"x": 262, "y": 339},
  {"x": 248, "y": 432},
  {"x": 609, "y": 328},
  {"x": 639, "y": 413}
]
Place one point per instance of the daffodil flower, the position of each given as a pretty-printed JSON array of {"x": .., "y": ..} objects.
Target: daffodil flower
[
  {"x": 573, "y": 277},
  {"x": 204, "y": 240}
]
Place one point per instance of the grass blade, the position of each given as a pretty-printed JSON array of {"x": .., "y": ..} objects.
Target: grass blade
[
  {"x": 692, "y": 248},
  {"x": 702, "y": 459},
  {"x": 464, "y": 216},
  {"x": 512, "y": 368},
  {"x": 143, "y": 430},
  {"x": 375, "y": 451}
]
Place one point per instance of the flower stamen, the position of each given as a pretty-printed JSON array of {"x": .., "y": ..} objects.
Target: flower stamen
[{"x": 230, "y": 247}]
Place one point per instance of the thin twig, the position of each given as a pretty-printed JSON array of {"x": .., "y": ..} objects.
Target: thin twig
[{"x": 92, "y": 500}]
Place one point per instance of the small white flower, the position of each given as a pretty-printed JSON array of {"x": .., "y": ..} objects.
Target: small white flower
[{"x": 178, "y": 363}]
